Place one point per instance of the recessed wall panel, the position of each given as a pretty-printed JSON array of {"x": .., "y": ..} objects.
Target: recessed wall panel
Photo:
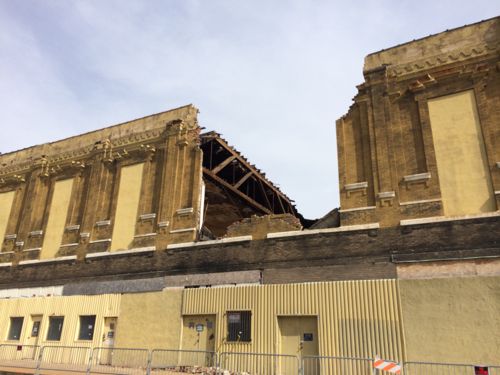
[
  {"x": 127, "y": 206},
  {"x": 6, "y": 200},
  {"x": 464, "y": 176},
  {"x": 57, "y": 218}
]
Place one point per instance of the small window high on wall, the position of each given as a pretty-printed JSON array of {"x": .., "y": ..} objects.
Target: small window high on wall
[
  {"x": 239, "y": 326},
  {"x": 16, "y": 326},
  {"x": 55, "y": 328},
  {"x": 87, "y": 325}
]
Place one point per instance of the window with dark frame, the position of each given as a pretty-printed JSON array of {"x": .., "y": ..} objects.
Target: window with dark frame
[
  {"x": 87, "y": 324},
  {"x": 239, "y": 326},
  {"x": 55, "y": 328},
  {"x": 16, "y": 326}
]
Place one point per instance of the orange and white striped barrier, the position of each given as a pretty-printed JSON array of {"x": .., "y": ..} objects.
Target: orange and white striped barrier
[{"x": 388, "y": 366}]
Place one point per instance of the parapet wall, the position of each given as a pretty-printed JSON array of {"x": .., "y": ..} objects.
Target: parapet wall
[{"x": 359, "y": 252}]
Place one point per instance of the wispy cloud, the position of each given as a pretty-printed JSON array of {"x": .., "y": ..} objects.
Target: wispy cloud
[{"x": 272, "y": 76}]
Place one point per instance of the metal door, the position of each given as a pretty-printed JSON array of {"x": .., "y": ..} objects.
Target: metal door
[
  {"x": 299, "y": 337},
  {"x": 34, "y": 336},
  {"x": 108, "y": 340},
  {"x": 198, "y": 332}
]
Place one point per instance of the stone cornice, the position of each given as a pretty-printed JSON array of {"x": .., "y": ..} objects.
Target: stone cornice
[
  {"x": 111, "y": 150},
  {"x": 449, "y": 57}
]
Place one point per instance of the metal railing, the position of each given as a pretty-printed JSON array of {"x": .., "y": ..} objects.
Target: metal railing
[
  {"x": 258, "y": 363},
  {"x": 168, "y": 361},
  {"x": 71, "y": 359},
  {"x": 322, "y": 365},
  {"x": 64, "y": 358},
  {"x": 119, "y": 361},
  {"x": 19, "y": 356}
]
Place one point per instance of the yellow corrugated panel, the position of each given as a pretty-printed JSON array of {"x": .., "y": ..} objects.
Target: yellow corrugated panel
[
  {"x": 71, "y": 307},
  {"x": 355, "y": 318}
]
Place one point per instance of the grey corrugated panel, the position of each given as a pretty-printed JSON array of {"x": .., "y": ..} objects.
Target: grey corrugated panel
[
  {"x": 214, "y": 278},
  {"x": 114, "y": 286}
]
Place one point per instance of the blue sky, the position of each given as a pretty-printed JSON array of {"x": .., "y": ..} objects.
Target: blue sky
[{"x": 271, "y": 76}]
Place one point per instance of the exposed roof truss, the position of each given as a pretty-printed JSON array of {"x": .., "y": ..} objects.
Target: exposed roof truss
[{"x": 226, "y": 166}]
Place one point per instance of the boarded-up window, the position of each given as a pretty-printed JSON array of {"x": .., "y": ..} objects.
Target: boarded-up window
[
  {"x": 57, "y": 218},
  {"x": 6, "y": 200},
  {"x": 464, "y": 175},
  {"x": 127, "y": 206}
]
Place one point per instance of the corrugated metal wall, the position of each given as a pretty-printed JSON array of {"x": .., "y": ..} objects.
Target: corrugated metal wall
[
  {"x": 355, "y": 318},
  {"x": 69, "y": 307}
]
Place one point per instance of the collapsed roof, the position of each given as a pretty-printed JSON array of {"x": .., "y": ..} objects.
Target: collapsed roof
[{"x": 236, "y": 189}]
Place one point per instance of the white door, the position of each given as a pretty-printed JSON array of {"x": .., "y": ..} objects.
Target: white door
[
  {"x": 30, "y": 351},
  {"x": 108, "y": 340}
]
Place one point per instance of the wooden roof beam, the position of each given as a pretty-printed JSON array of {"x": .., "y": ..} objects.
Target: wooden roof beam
[
  {"x": 248, "y": 166},
  {"x": 281, "y": 203},
  {"x": 222, "y": 165},
  {"x": 263, "y": 189},
  {"x": 236, "y": 191},
  {"x": 242, "y": 180}
]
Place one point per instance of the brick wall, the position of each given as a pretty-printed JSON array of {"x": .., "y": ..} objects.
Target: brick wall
[{"x": 356, "y": 254}]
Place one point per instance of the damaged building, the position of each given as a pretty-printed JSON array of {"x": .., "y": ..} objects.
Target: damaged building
[
  {"x": 151, "y": 234},
  {"x": 149, "y": 182}
]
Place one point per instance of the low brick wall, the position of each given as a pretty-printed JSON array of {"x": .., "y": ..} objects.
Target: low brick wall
[{"x": 337, "y": 255}]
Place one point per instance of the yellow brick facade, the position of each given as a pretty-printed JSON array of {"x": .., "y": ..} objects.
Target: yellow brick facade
[
  {"x": 420, "y": 138},
  {"x": 137, "y": 184}
]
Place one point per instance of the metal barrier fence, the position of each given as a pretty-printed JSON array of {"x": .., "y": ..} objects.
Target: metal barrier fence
[
  {"x": 428, "y": 368},
  {"x": 19, "y": 356},
  {"x": 67, "y": 360},
  {"x": 119, "y": 361},
  {"x": 166, "y": 361},
  {"x": 320, "y": 365},
  {"x": 258, "y": 363},
  {"x": 64, "y": 358}
]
